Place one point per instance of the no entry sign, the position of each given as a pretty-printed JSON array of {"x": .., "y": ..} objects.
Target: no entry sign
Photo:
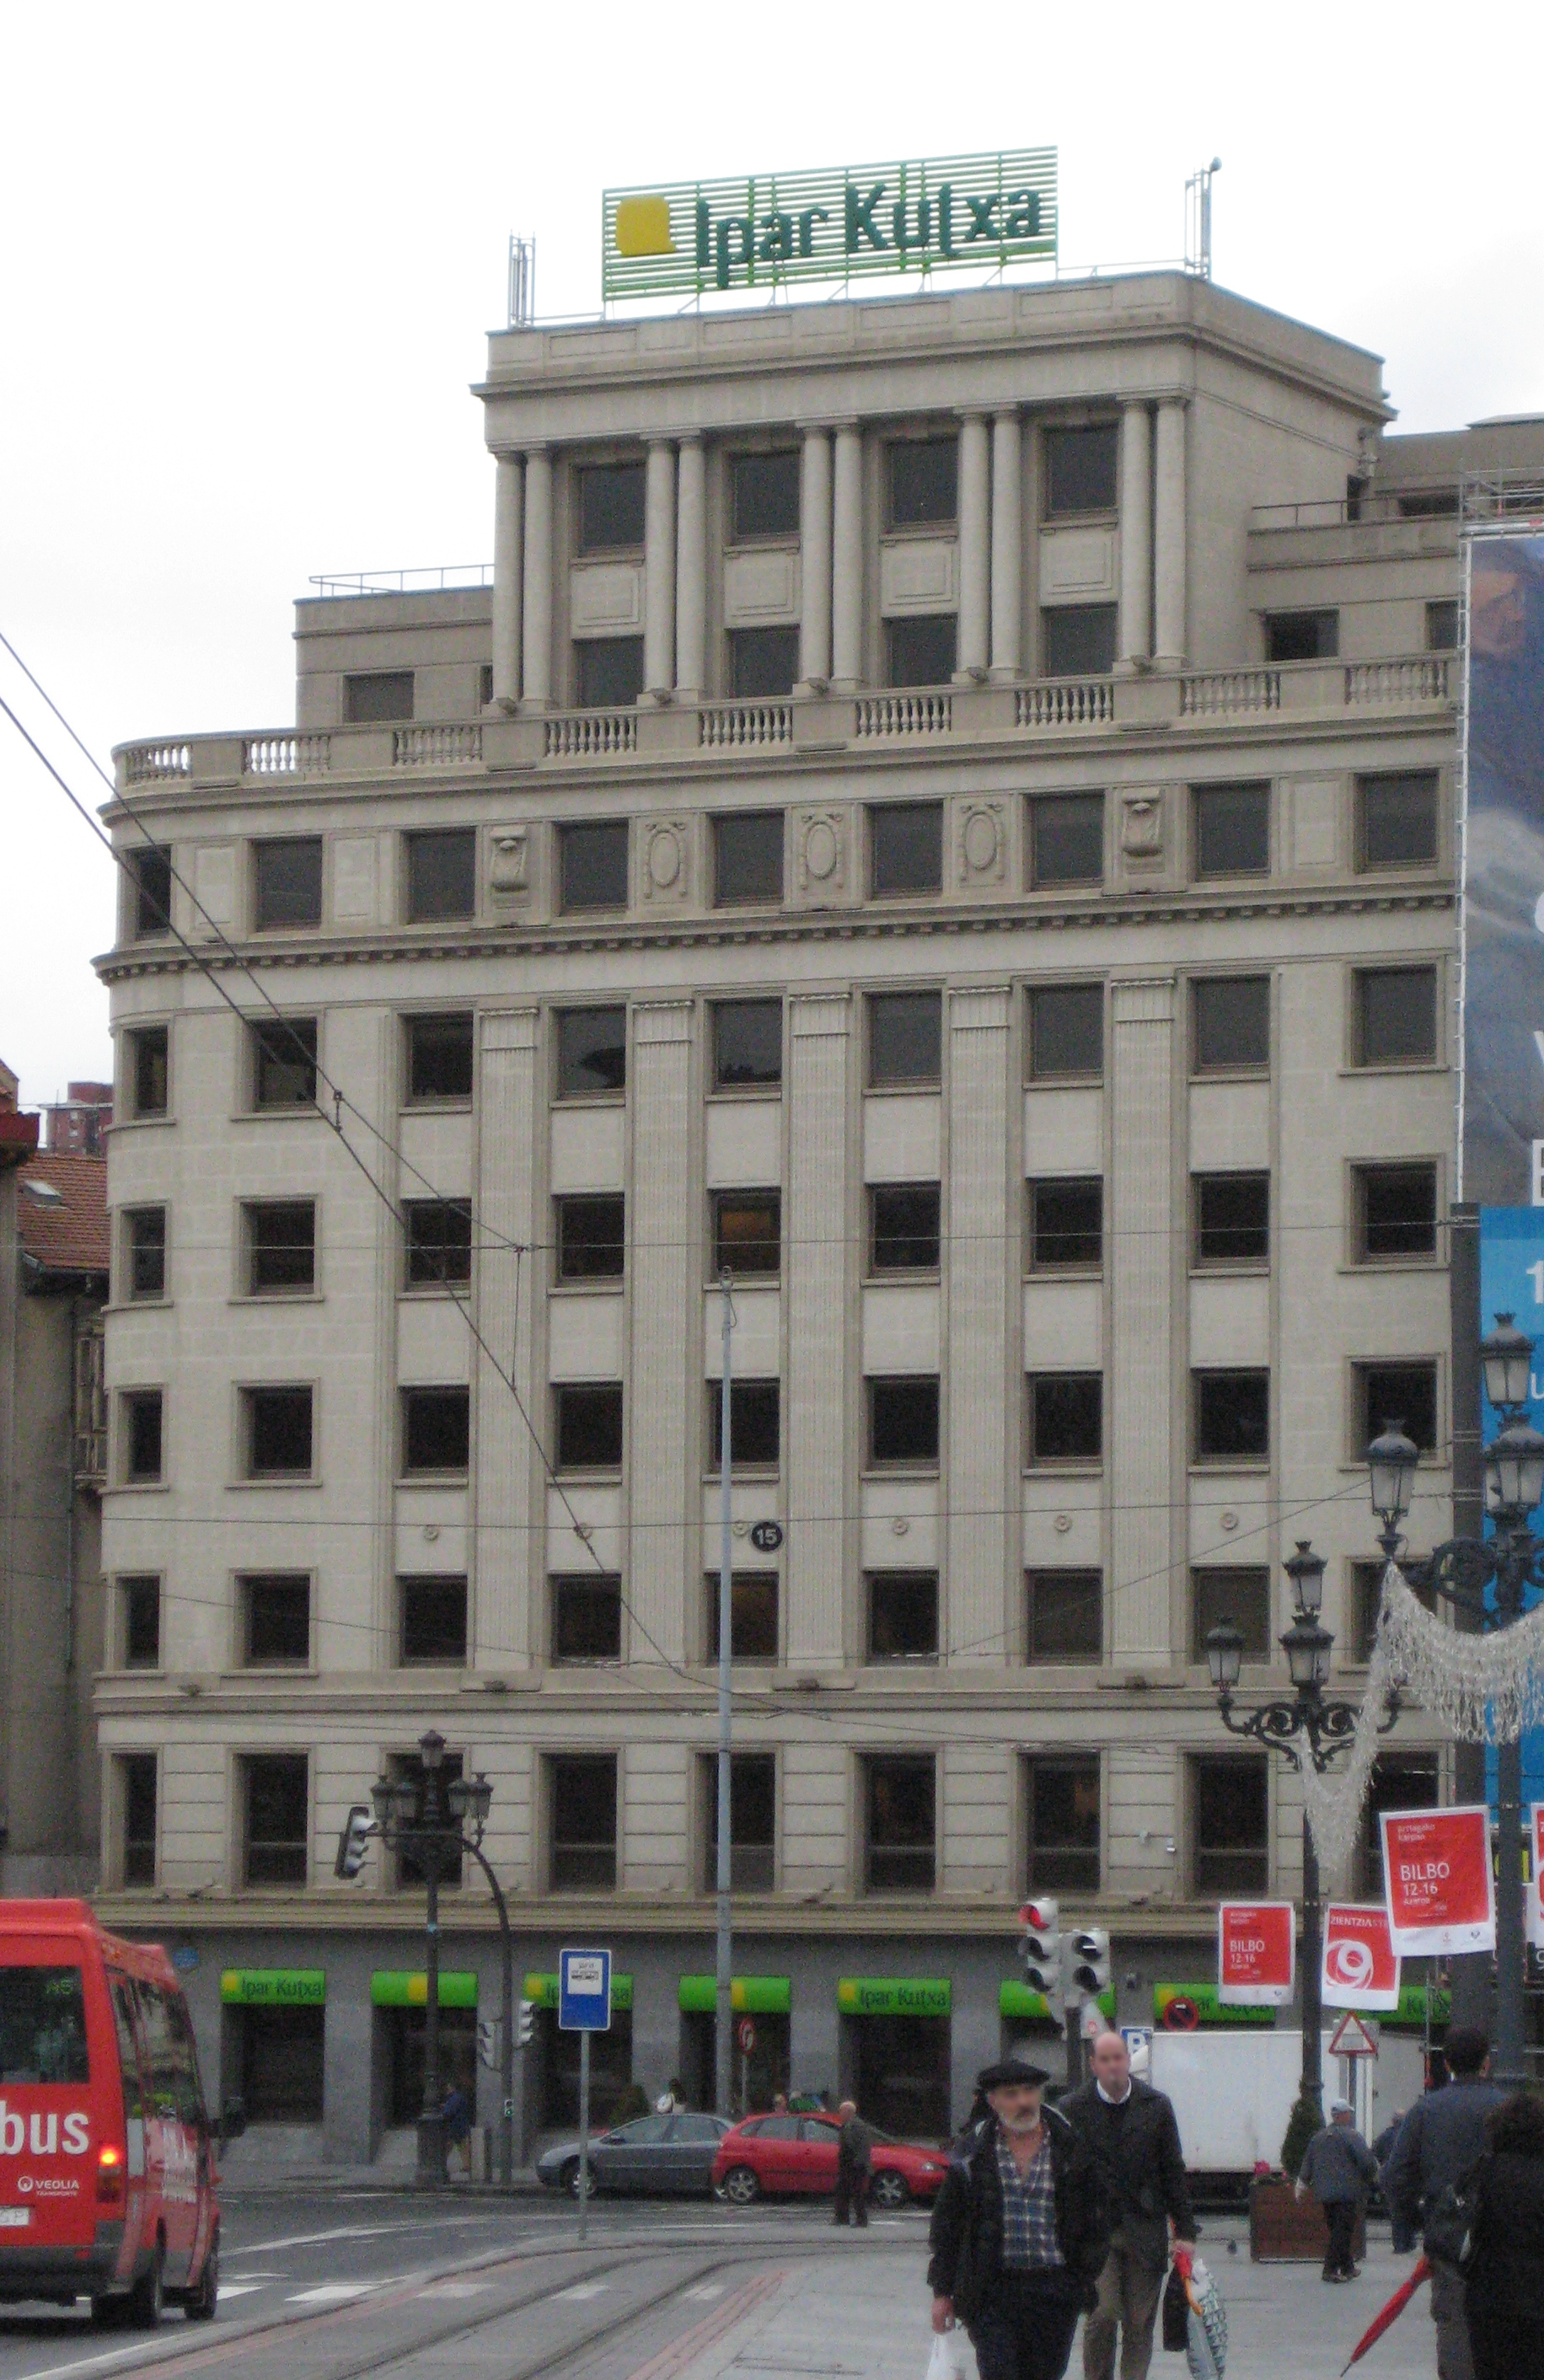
[
  {"x": 1361, "y": 1969},
  {"x": 1254, "y": 1945},
  {"x": 1437, "y": 1881}
]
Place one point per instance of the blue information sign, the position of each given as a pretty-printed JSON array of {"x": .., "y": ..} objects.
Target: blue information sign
[
  {"x": 1511, "y": 1281},
  {"x": 584, "y": 1991}
]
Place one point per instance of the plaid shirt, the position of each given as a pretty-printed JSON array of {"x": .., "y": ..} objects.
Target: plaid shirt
[{"x": 1028, "y": 2209}]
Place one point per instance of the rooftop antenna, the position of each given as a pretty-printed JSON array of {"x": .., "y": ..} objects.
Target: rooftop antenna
[
  {"x": 522, "y": 282},
  {"x": 1197, "y": 220}
]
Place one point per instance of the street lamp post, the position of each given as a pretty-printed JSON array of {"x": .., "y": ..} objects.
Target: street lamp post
[
  {"x": 1487, "y": 1579},
  {"x": 1310, "y": 1726}
]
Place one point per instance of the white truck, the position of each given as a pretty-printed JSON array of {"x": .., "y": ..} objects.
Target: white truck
[{"x": 1234, "y": 2094}]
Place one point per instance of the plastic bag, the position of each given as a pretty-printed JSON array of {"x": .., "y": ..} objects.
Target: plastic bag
[
  {"x": 1207, "y": 2332},
  {"x": 951, "y": 2358}
]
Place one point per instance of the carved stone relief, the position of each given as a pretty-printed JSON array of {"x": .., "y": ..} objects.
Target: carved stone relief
[
  {"x": 822, "y": 840},
  {"x": 664, "y": 868},
  {"x": 509, "y": 870},
  {"x": 980, "y": 843}
]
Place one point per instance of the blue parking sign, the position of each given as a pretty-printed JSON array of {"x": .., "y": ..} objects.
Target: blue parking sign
[{"x": 584, "y": 1991}]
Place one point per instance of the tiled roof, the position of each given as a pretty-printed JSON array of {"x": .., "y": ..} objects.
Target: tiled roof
[{"x": 71, "y": 1238}]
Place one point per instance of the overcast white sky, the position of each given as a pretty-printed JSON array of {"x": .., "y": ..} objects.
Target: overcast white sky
[{"x": 249, "y": 258}]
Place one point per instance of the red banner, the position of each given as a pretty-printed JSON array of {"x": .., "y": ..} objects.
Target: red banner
[
  {"x": 1361, "y": 1967},
  {"x": 1437, "y": 1881},
  {"x": 1256, "y": 1941},
  {"x": 1535, "y": 1877}
]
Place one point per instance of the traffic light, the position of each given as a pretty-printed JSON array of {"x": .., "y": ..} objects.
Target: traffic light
[
  {"x": 353, "y": 1841},
  {"x": 525, "y": 2024},
  {"x": 1042, "y": 1948},
  {"x": 488, "y": 2045},
  {"x": 1090, "y": 1963}
]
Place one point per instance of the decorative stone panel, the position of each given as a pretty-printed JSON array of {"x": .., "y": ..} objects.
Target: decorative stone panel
[
  {"x": 823, "y": 855},
  {"x": 605, "y": 599},
  {"x": 982, "y": 834},
  {"x": 761, "y": 587},
  {"x": 1142, "y": 1387},
  {"x": 509, "y": 871},
  {"x": 816, "y": 1294},
  {"x": 664, "y": 856},
  {"x": 510, "y": 1550},
  {"x": 919, "y": 574}
]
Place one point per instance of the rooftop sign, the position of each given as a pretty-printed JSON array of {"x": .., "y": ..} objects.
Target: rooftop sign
[{"x": 840, "y": 222}]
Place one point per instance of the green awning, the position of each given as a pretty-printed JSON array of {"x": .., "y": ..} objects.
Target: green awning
[
  {"x": 1019, "y": 2002},
  {"x": 895, "y": 1996},
  {"x": 1208, "y": 2008},
  {"x": 750, "y": 1995},
  {"x": 274, "y": 1986},
  {"x": 390, "y": 1989},
  {"x": 542, "y": 1990}
]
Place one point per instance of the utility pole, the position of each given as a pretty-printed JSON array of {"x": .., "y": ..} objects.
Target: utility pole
[{"x": 723, "y": 2012}]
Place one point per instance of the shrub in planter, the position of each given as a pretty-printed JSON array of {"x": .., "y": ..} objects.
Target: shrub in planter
[{"x": 1303, "y": 2123}]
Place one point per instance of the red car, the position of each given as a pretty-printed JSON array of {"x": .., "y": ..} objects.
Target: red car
[{"x": 774, "y": 2153}]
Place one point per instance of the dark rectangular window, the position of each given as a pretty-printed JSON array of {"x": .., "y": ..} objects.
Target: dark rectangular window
[
  {"x": 592, "y": 1238},
  {"x": 407, "y": 1767},
  {"x": 611, "y": 507},
  {"x": 586, "y": 1617},
  {"x": 1231, "y": 825},
  {"x": 286, "y": 883},
  {"x": 924, "y": 481},
  {"x": 1396, "y": 1016},
  {"x": 1077, "y": 639},
  {"x": 1367, "y": 1596},
  {"x": 1428, "y": 504},
  {"x": 1442, "y": 626},
  {"x": 141, "y": 1622},
  {"x": 1067, "y": 1032},
  {"x": 439, "y": 1242},
  {"x": 592, "y": 1051},
  {"x": 1066, "y": 1226},
  {"x": 1231, "y": 1216},
  {"x": 137, "y": 1784},
  {"x": 484, "y": 685},
  {"x": 439, "y": 1058},
  {"x": 763, "y": 663},
  {"x": 752, "y": 1615},
  {"x": 1302, "y": 636},
  {"x": 145, "y": 1237},
  {"x": 902, "y": 1825},
  {"x": 281, "y": 1247},
  {"x": 150, "y": 881},
  {"x": 903, "y": 1422},
  {"x": 275, "y": 1829},
  {"x": 1400, "y": 1780},
  {"x": 1063, "y": 1824},
  {"x": 748, "y": 1045},
  {"x": 283, "y": 1062},
  {"x": 1396, "y": 819},
  {"x": 1066, "y": 840},
  {"x": 1230, "y": 1843},
  {"x": 589, "y": 1428},
  {"x": 1395, "y": 1211},
  {"x": 278, "y": 1433},
  {"x": 436, "y": 1427},
  {"x": 1066, "y": 1417},
  {"x": 1079, "y": 471},
  {"x": 1229, "y": 1024},
  {"x": 752, "y": 1822},
  {"x": 442, "y": 875},
  {"x": 902, "y": 1615},
  {"x": 905, "y": 1035},
  {"x": 1240, "y": 1595},
  {"x": 141, "y": 1418},
  {"x": 748, "y": 1231},
  {"x": 753, "y": 1425},
  {"x": 592, "y": 866},
  {"x": 1065, "y": 1615},
  {"x": 275, "y": 1609},
  {"x": 610, "y": 672},
  {"x": 747, "y": 858},
  {"x": 764, "y": 498},
  {"x": 583, "y": 1850},
  {"x": 922, "y": 649},
  {"x": 378, "y": 696},
  {"x": 433, "y": 1615},
  {"x": 147, "y": 1069},
  {"x": 905, "y": 847},
  {"x": 1405, "y": 1393},
  {"x": 903, "y": 1227},
  {"x": 1232, "y": 1416}
]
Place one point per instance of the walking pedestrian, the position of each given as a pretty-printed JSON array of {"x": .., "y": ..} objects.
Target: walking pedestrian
[
  {"x": 1502, "y": 2303},
  {"x": 855, "y": 2166},
  {"x": 1132, "y": 2131},
  {"x": 1339, "y": 2169},
  {"x": 1438, "y": 2142},
  {"x": 456, "y": 2129},
  {"x": 1382, "y": 2147},
  {"x": 1020, "y": 2230}
]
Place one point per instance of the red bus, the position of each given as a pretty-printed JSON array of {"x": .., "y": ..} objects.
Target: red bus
[{"x": 107, "y": 2172}]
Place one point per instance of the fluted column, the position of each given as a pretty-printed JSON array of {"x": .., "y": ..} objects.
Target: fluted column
[
  {"x": 664, "y": 1381},
  {"x": 1135, "y": 536},
  {"x": 659, "y": 571},
  {"x": 980, "y": 1458},
  {"x": 1143, "y": 1529},
  {"x": 817, "y": 1296},
  {"x": 1007, "y": 545},
  {"x": 1169, "y": 540},
  {"x": 537, "y": 604},
  {"x": 975, "y": 547},
  {"x": 508, "y": 504},
  {"x": 508, "y": 1550},
  {"x": 847, "y": 627},
  {"x": 814, "y": 560},
  {"x": 691, "y": 568}
]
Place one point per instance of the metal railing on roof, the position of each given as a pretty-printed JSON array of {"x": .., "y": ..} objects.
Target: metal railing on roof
[{"x": 429, "y": 581}]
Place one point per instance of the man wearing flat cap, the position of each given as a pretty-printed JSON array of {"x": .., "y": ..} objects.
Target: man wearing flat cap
[{"x": 1020, "y": 2230}]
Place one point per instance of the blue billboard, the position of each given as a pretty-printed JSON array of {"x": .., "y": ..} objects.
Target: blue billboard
[{"x": 1511, "y": 1281}]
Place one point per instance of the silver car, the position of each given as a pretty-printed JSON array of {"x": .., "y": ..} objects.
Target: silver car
[{"x": 655, "y": 2153}]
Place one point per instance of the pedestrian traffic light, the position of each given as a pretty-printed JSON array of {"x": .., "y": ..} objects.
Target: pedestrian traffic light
[
  {"x": 353, "y": 1841},
  {"x": 488, "y": 2032},
  {"x": 1042, "y": 1948},
  {"x": 526, "y": 2027},
  {"x": 1090, "y": 1963}
]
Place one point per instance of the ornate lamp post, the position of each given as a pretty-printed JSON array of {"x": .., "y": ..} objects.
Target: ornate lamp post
[{"x": 1310, "y": 1726}]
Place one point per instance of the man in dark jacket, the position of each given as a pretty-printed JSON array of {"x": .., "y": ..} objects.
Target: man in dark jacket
[
  {"x": 1020, "y": 2230},
  {"x": 1438, "y": 2143},
  {"x": 1132, "y": 2131},
  {"x": 1340, "y": 2170},
  {"x": 855, "y": 2166}
]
